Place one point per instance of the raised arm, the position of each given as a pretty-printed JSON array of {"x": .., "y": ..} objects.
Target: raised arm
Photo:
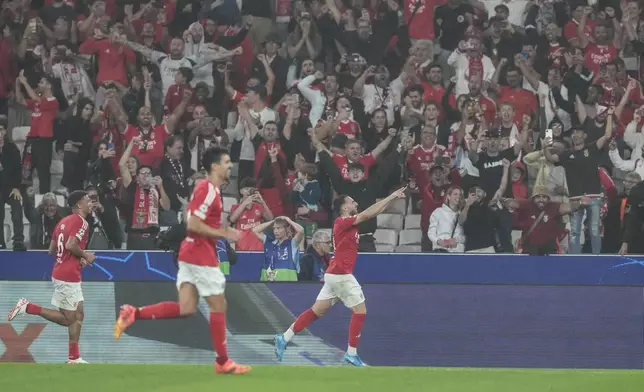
[
  {"x": 358, "y": 86},
  {"x": 126, "y": 177},
  {"x": 380, "y": 148},
  {"x": 299, "y": 230},
  {"x": 148, "y": 53},
  {"x": 608, "y": 133},
  {"x": 379, "y": 206},
  {"x": 581, "y": 109},
  {"x": 258, "y": 230},
  {"x": 30, "y": 91}
]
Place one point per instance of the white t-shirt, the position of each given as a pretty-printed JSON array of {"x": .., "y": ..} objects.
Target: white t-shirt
[
  {"x": 375, "y": 97},
  {"x": 169, "y": 67},
  {"x": 263, "y": 116},
  {"x": 73, "y": 79}
]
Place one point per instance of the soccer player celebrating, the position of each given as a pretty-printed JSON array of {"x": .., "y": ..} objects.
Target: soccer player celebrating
[
  {"x": 199, "y": 273},
  {"x": 339, "y": 282},
  {"x": 67, "y": 244}
]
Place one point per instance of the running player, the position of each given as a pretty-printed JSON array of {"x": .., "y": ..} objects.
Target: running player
[
  {"x": 339, "y": 282},
  {"x": 199, "y": 273},
  {"x": 68, "y": 243}
]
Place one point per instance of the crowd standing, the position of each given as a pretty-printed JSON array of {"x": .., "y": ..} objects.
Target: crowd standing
[{"x": 516, "y": 116}]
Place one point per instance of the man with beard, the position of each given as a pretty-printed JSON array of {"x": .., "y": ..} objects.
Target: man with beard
[
  {"x": 432, "y": 80},
  {"x": 603, "y": 50},
  {"x": 149, "y": 148},
  {"x": 581, "y": 165},
  {"x": 175, "y": 174},
  {"x": 206, "y": 132},
  {"x": 349, "y": 69},
  {"x": 490, "y": 166},
  {"x": 381, "y": 93},
  {"x": 541, "y": 219},
  {"x": 363, "y": 190},
  {"x": 615, "y": 216},
  {"x": 170, "y": 63},
  {"x": 412, "y": 110}
]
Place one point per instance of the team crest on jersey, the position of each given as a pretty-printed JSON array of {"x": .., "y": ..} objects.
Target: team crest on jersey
[
  {"x": 62, "y": 227},
  {"x": 257, "y": 212},
  {"x": 460, "y": 19},
  {"x": 545, "y": 219},
  {"x": 586, "y": 153}
]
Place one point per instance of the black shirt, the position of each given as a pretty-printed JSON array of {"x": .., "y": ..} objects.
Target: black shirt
[
  {"x": 491, "y": 169},
  {"x": 479, "y": 227},
  {"x": 451, "y": 23},
  {"x": 258, "y": 8},
  {"x": 10, "y": 171},
  {"x": 49, "y": 14},
  {"x": 175, "y": 181},
  {"x": 582, "y": 170}
]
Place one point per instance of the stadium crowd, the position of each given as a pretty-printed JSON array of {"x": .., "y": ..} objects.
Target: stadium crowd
[{"x": 516, "y": 125}]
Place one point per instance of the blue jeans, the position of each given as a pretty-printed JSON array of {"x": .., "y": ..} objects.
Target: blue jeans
[{"x": 576, "y": 222}]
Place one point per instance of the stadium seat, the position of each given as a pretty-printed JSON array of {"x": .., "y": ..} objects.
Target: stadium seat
[
  {"x": 229, "y": 202},
  {"x": 408, "y": 249},
  {"x": 386, "y": 237},
  {"x": 19, "y": 134},
  {"x": 390, "y": 221},
  {"x": 397, "y": 207},
  {"x": 412, "y": 221},
  {"x": 410, "y": 237},
  {"x": 235, "y": 170},
  {"x": 382, "y": 248}
]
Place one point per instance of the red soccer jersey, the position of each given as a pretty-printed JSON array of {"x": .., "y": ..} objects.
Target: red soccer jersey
[
  {"x": 68, "y": 266},
  {"x": 556, "y": 54},
  {"x": 425, "y": 157},
  {"x": 43, "y": 114},
  {"x": 489, "y": 108},
  {"x": 524, "y": 102},
  {"x": 248, "y": 219},
  {"x": 345, "y": 243},
  {"x": 598, "y": 55},
  {"x": 422, "y": 24},
  {"x": 206, "y": 205},
  {"x": 570, "y": 30},
  {"x": 112, "y": 59},
  {"x": 150, "y": 149},
  {"x": 349, "y": 128},
  {"x": 343, "y": 163}
]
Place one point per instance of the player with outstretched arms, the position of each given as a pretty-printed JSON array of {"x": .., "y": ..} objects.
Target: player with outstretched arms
[
  {"x": 199, "y": 273},
  {"x": 67, "y": 244},
  {"x": 339, "y": 282}
]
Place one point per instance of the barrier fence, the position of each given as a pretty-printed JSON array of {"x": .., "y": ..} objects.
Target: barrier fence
[
  {"x": 370, "y": 268},
  {"x": 412, "y": 325}
]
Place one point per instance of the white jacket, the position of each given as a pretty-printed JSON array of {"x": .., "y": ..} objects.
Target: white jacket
[
  {"x": 632, "y": 137},
  {"x": 460, "y": 62},
  {"x": 635, "y": 164},
  {"x": 441, "y": 225}
]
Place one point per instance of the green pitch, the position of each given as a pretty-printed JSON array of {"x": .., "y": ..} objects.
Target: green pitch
[{"x": 187, "y": 378}]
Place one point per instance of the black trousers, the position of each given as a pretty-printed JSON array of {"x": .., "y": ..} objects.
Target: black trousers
[
  {"x": 41, "y": 160},
  {"x": 141, "y": 241},
  {"x": 16, "y": 217},
  {"x": 74, "y": 171}
]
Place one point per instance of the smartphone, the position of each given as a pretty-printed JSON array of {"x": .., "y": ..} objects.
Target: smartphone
[
  {"x": 110, "y": 146},
  {"x": 525, "y": 55},
  {"x": 549, "y": 135}
]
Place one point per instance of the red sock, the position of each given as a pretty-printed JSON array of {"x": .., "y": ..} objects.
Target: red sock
[
  {"x": 74, "y": 352},
  {"x": 304, "y": 320},
  {"x": 355, "y": 327},
  {"x": 162, "y": 310},
  {"x": 218, "y": 335},
  {"x": 33, "y": 309}
]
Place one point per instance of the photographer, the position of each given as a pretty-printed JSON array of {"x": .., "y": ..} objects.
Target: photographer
[
  {"x": 103, "y": 225},
  {"x": 101, "y": 172},
  {"x": 249, "y": 213}
]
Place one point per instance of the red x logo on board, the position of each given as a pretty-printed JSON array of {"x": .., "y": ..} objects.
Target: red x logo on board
[{"x": 17, "y": 346}]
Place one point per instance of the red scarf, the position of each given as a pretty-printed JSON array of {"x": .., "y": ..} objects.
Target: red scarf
[
  {"x": 146, "y": 208},
  {"x": 475, "y": 66}
]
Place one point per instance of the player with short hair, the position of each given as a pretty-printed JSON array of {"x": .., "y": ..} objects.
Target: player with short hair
[
  {"x": 199, "y": 273},
  {"x": 68, "y": 242},
  {"x": 339, "y": 282}
]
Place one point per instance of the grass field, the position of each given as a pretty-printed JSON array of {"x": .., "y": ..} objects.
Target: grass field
[{"x": 192, "y": 378}]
